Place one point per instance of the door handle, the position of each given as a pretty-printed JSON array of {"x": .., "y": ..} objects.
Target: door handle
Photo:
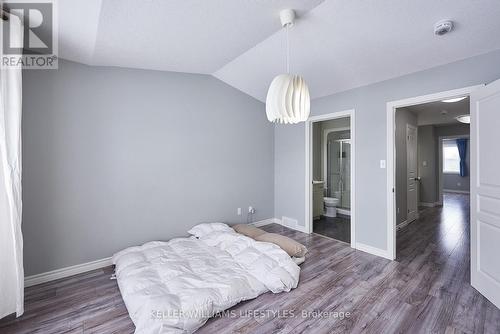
[{"x": 417, "y": 179}]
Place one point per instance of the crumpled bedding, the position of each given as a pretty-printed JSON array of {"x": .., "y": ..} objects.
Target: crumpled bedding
[{"x": 176, "y": 286}]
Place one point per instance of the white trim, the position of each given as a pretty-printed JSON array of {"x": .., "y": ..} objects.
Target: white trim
[
  {"x": 391, "y": 150},
  {"x": 308, "y": 175},
  {"x": 456, "y": 191},
  {"x": 440, "y": 164},
  {"x": 279, "y": 222},
  {"x": 66, "y": 272},
  {"x": 295, "y": 226},
  {"x": 373, "y": 250},
  {"x": 97, "y": 264},
  {"x": 344, "y": 211},
  {"x": 428, "y": 205},
  {"x": 401, "y": 225},
  {"x": 417, "y": 185},
  {"x": 266, "y": 222},
  {"x": 299, "y": 228}
]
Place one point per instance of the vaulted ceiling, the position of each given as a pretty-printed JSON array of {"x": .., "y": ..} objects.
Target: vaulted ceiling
[
  {"x": 193, "y": 36},
  {"x": 335, "y": 45}
]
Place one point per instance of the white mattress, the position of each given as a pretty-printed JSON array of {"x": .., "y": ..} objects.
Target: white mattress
[{"x": 176, "y": 286}]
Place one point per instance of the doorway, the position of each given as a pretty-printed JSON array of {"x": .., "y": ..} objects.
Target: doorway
[
  {"x": 329, "y": 176},
  {"x": 482, "y": 223},
  {"x": 434, "y": 116}
]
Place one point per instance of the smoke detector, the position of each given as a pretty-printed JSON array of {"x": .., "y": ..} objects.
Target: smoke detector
[{"x": 443, "y": 27}]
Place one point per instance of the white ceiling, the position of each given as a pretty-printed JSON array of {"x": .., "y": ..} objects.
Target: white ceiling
[
  {"x": 435, "y": 113},
  {"x": 336, "y": 44},
  {"x": 195, "y": 36},
  {"x": 345, "y": 44}
]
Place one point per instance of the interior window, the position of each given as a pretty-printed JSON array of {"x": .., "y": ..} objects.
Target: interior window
[{"x": 451, "y": 158}]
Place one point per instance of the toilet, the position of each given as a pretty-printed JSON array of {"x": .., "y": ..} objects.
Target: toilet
[{"x": 331, "y": 204}]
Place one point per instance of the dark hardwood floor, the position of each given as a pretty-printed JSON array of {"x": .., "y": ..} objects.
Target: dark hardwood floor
[
  {"x": 426, "y": 290},
  {"x": 338, "y": 228}
]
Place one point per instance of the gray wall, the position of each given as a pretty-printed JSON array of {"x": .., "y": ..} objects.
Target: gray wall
[
  {"x": 428, "y": 153},
  {"x": 118, "y": 157},
  {"x": 403, "y": 117},
  {"x": 370, "y": 103}
]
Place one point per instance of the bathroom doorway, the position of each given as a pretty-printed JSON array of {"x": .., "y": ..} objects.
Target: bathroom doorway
[{"x": 330, "y": 179}]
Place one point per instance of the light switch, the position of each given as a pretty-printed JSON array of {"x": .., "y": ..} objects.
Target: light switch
[
  {"x": 382, "y": 163},
  {"x": 424, "y": 163}
]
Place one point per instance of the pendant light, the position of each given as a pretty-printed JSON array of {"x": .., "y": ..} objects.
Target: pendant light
[{"x": 288, "y": 98}]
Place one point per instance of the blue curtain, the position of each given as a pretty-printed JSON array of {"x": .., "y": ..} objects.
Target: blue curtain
[{"x": 462, "y": 151}]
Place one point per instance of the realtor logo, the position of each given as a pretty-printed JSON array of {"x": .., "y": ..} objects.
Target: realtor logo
[{"x": 34, "y": 43}]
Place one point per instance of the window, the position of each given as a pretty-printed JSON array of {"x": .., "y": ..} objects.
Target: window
[{"x": 451, "y": 158}]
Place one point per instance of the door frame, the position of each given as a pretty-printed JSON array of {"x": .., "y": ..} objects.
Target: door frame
[
  {"x": 417, "y": 185},
  {"x": 391, "y": 152},
  {"x": 440, "y": 164},
  {"x": 325, "y": 162},
  {"x": 308, "y": 165}
]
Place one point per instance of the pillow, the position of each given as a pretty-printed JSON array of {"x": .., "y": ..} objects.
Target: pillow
[
  {"x": 248, "y": 230},
  {"x": 292, "y": 247},
  {"x": 203, "y": 229}
]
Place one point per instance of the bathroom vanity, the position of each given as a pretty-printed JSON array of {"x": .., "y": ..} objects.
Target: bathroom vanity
[{"x": 318, "y": 187}]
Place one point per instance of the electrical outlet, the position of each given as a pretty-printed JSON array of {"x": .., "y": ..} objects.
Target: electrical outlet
[
  {"x": 239, "y": 211},
  {"x": 251, "y": 209}
]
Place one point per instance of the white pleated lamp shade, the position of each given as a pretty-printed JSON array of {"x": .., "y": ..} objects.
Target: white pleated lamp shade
[{"x": 288, "y": 100}]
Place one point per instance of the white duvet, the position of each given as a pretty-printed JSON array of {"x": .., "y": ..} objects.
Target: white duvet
[{"x": 176, "y": 286}]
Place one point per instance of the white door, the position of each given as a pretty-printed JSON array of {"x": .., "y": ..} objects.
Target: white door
[
  {"x": 411, "y": 174},
  {"x": 485, "y": 191}
]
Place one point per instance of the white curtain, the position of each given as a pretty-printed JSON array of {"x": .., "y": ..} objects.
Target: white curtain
[{"x": 11, "y": 240}]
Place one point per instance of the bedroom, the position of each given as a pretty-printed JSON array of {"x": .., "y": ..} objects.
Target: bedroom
[{"x": 154, "y": 121}]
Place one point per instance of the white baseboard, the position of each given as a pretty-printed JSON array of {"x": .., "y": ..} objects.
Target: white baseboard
[
  {"x": 296, "y": 228},
  {"x": 279, "y": 222},
  {"x": 344, "y": 212},
  {"x": 65, "y": 272},
  {"x": 373, "y": 250},
  {"x": 456, "y": 191},
  {"x": 84, "y": 267},
  {"x": 93, "y": 265},
  {"x": 293, "y": 224},
  {"x": 266, "y": 222},
  {"x": 428, "y": 205},
  {"x": 401, "y": 225}
]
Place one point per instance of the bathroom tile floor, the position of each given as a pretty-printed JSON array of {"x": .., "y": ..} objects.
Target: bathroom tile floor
[{"x": 338, "y": 228}]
